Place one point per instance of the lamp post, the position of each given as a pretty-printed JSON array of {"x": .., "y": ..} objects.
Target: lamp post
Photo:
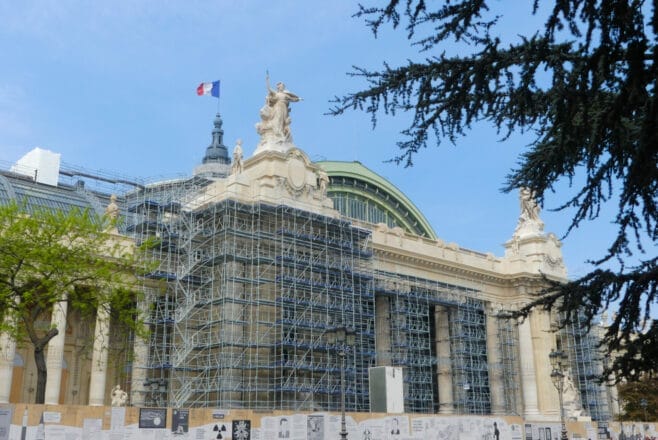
[
  {"x": 467, "y": 388},
  {"x": 343, "y": 338},
  {"x": 158, "y": 391},
  {"x": 558, "y": 360}
]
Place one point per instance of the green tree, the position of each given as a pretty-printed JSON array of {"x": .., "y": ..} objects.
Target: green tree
[
  {"x": 47, "y": 257},
  {"x": 639, "y": 400},
  {"x": 583, "y": 88}
]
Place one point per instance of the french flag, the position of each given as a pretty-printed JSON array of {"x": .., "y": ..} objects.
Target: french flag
[{"x": 211, "y": 88}]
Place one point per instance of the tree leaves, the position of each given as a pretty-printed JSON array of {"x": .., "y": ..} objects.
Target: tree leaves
[
  {"x": 584, "y": 87},
  {"x": 639, "y": 400},
  {"x": 49, "y": 257}
]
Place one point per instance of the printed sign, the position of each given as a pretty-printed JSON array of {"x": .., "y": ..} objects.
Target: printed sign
[{"x": 152, "y": 418}]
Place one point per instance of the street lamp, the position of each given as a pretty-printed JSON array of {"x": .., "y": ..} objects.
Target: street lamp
[
  {"x": 343, "y": 338},
  {"x": 558, "y": 360},
  {"x": 467, "y": 388},
  {"x": 158, "y": 390}
]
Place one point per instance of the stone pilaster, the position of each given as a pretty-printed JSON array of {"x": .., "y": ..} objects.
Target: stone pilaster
[
  {"x": 543, "y": 342},
  {"x": 444, "y": 369},
  {"x": 55, "y": 356}
]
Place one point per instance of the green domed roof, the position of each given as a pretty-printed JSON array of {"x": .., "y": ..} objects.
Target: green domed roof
[{"x": 360, "y": 193}]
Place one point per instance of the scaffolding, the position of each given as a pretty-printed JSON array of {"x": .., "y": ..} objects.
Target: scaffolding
[
  {"x": 469, "y": 357},
  {"x": 508, "y": 336},
  {"x": 249, "y": 292},
  {"x": 408, "y": 339},
  {"x": 585, "y": 359}
]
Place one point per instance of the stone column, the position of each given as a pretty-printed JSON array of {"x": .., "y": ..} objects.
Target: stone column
[
  {"x": 99, "y": 358},
  {"x": 543, "y": 342},
  {"x": 615, "y": 409},
  {"x": 496, "y": 384},
  {"x": 444, "y": 366},
  {"x": 7, "y": 353},
  {"x": 140, "y": 360},
  {"x": 55, "y": 356},
  {"x": 528, "y": 376}
]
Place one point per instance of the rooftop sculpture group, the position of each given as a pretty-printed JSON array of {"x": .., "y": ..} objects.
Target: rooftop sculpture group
[
  {"x": 274, "y": 127},
  {"x": 529, "y": 221}
]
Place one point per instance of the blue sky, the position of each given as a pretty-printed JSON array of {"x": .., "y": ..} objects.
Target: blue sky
[{"x": 111, "y": 86}]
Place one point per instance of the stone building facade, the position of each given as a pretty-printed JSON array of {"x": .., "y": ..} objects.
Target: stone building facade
[{"x": 260, "y": 261}]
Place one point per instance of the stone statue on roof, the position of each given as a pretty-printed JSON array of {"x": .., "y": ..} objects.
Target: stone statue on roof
[
  {"x": 112, "y": 210},
  {"x": 112, "y": 215},
  {"x": 529, "y": 207},
  {"x": 274, "y": 127},
  {"x": 529, "y": 221},
  {"x": 236, "y": 167}
]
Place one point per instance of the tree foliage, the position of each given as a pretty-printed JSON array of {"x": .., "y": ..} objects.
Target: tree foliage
[
  {"x": 639, "y": 400},
  {"x": 583, "y": 88},
  {"x": 48, "y": 257}
]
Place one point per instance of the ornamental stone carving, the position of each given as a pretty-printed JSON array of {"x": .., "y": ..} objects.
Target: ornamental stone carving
[{"x": 296, "y": 171}]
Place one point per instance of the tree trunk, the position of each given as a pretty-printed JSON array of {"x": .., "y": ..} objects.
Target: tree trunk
[{"x": 40, "y": 360}]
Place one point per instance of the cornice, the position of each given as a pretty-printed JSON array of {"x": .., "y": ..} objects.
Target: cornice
[
  {"x": 452, "y": 267},
  {"x": 436, "y": 264}
]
